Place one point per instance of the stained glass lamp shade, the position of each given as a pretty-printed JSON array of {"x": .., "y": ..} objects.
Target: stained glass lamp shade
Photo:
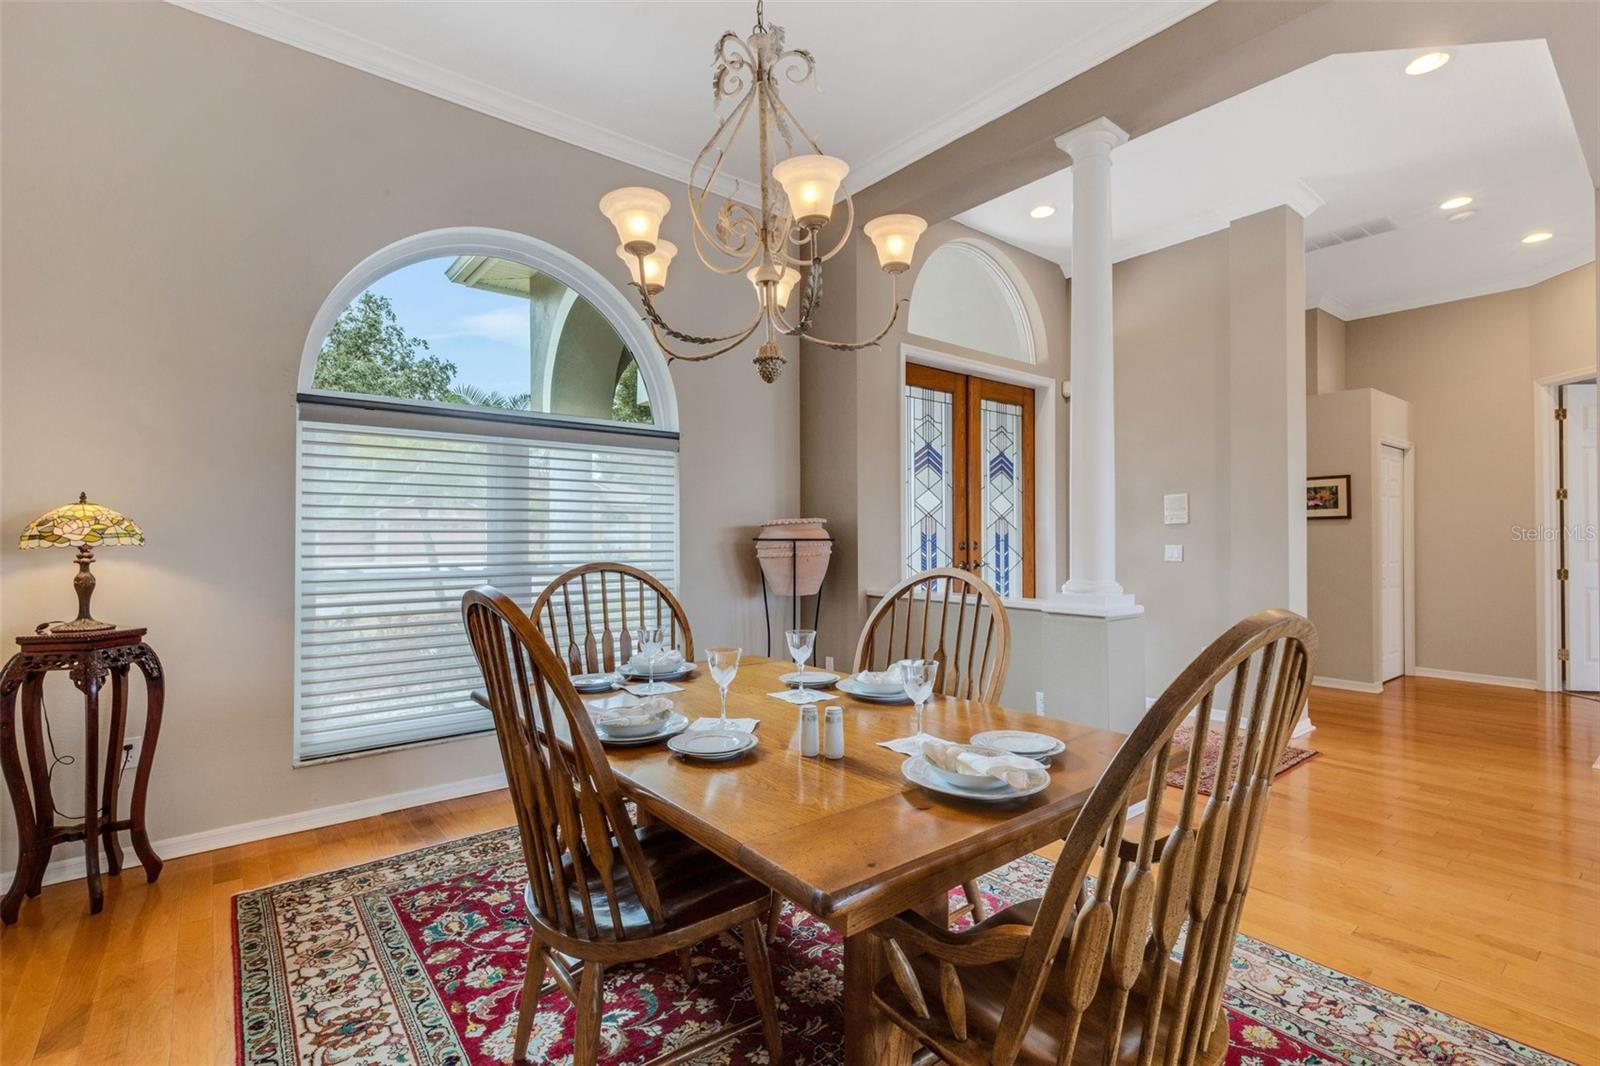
[{"x": 85, "y": 526}]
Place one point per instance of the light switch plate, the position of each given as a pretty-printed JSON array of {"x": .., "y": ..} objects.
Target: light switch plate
[
  {"x": 1174, "y": 553},
  {"x": 1175, "y": 508}
]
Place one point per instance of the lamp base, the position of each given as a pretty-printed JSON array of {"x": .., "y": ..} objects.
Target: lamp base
[{"x": 82, "y": 625}]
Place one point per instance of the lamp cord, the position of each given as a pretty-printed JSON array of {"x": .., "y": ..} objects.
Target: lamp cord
[{"x": 56, "y": 758}]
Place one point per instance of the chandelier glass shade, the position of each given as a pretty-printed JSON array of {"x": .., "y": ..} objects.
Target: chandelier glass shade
[{"x": 771, "y": 242}]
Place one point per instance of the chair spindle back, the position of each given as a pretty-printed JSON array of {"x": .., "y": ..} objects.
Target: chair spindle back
[
  {"x": 950, "y": 616},
  {"x": 576, "y": 837},
  {"x": 589, "y": 613}
]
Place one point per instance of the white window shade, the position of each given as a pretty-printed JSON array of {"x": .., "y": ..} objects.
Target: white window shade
[{"x": 394, "y": 524}]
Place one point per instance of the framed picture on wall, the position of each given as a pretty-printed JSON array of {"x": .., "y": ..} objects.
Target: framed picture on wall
[{"x": 1328, "y": 497}]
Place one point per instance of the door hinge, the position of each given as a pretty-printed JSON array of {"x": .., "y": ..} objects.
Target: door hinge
[
  {"x": 1561, "y": 494},
  {"x": 1561, "y": 573},
  {"x": 1563, "y": 655},
  {"x": 1561, "y": 414}
]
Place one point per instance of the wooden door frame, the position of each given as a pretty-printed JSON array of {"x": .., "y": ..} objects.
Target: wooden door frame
[
  {"x": 1547, "y": 676},
  {"x": 969, "y": 389}
]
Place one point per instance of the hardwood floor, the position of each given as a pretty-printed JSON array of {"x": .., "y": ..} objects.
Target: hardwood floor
[{"x": 1445, "y": 845}]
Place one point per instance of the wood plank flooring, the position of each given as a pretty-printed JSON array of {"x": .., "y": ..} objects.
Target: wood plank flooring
[{"x": 1446, "y": 845}]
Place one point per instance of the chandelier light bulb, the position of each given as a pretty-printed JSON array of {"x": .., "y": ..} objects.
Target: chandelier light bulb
[
  {"x": 812, "y": 183},
  {"x": 895, "y": 238},
  {"x": 636, "y": 212},
  {"x": 655, "y": 265}
]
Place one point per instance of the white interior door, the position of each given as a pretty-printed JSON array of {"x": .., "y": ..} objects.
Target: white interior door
[
  {"x": 1391, "y": 561},
  {"x": 1583, "y": 543}
]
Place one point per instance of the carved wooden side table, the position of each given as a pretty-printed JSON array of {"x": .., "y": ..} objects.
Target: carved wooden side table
[{"x": 89, "y": 659}]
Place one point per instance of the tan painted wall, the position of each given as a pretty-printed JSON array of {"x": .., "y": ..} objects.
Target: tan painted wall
[
  {"x": 1344, "y": 431},
  {"x": 1467, "y": 368},
  {"x": 1324, "y": 352},
  {"x": 174, "y": 213}
]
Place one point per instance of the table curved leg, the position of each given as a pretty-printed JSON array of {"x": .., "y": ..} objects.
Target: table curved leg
[
  {"x": 155, "y": 698},
  {"x": 89, "y": 680},
  {"x": 21, "y": 805},
  {"x": 114, "y": 739},
  {"x": 44, "y": 810}
]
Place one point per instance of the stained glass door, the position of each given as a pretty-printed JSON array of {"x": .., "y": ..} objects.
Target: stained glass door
[{"x": 969, "y": 477}]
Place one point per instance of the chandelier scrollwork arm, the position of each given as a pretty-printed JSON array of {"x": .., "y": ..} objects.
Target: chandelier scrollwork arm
[{"x": 848, "y": 346}]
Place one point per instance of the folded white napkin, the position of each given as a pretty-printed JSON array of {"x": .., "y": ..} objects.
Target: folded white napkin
[
  {"x": 644, "y": 712},
  {"x": 1014, "y": 770},
  {"x": 648, "y": 688},
  {"x": 717, "y": 725},
  {"x": 892, "y": 676},
  {"x": 665, "y": 660},
  {"x": 907, "y": 745},
  {"x": 798, "y": 698}
]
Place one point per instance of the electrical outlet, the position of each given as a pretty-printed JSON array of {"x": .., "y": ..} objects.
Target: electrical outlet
[
  {"x": 1174, "y": 553},
  {"x": 1038, "y": 703},
  {"x": 131, "y": 746},
  {"x": 827, "y": 663}
]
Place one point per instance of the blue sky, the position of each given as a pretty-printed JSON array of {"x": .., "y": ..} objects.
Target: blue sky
[{"x": 484, "y": 333}]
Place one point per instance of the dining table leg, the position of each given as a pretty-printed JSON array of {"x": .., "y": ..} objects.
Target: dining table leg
[{"x": 870, "y": 1038}]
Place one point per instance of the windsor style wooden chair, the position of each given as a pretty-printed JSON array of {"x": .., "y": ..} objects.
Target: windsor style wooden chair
[
  {"x": 969, "y": 636},
  {"x": 600, "y": 890},
  {"x": 1085, "y": 974},
  {"x": 589, "y": 613}
]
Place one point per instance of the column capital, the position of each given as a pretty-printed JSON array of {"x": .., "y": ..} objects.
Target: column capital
[{"x": 1097, "y": 137}]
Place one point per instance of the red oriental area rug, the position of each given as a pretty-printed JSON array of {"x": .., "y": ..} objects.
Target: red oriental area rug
[{"x": 417, "y": 960}]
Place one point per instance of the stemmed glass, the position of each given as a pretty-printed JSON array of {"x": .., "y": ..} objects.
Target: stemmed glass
[
  {"x": 724, "y": 664},
  {"x": 800, "y": 642},
  {"x": 649, "y": 639},
  {"x": 917, "y": 676}
]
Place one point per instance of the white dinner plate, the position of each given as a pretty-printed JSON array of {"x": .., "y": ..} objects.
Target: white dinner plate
[
  {"x": 809, "y": 678},
  {"x": 675, "y": 724},
  {"x": 848, "y": 685},
  {"x": 596, "y": 682},
  {"x": 711, "y": 746},
  {"x": 920, "y": 772},
  {"x": 681, "y": 670},
  {"x": 1021, "y": 742}
]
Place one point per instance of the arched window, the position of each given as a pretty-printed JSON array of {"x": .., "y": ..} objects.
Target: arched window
[
  {"x": 475, "y": 407},
  {"x": 964, "y": 295}
]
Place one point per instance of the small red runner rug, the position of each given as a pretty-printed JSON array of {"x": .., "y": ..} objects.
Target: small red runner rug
[
  {"x": 417, "y": 960},
  {"x": 1211, "y": 759}
]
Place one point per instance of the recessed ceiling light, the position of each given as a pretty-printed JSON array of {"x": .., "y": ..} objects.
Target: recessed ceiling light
[
  {"x": 1462, "y": 216},
  {"x": 1042, "y": 211},
  {"x": 1427, "y": 63},
  {"x": 1455, "y": 202},
  {"x": 1538, "y": 236}
]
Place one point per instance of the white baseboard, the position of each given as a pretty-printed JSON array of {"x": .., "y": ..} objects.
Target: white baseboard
[
  {"x": 1369, "y": 687},
  {"x": 1476, "y": 679},
  {"x": 70, "y": 867}
]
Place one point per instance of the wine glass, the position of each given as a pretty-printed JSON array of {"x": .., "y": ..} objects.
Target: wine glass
[
  {"x": 917, "y": 676},
  {"x": 724, "y": 663},
  {"x": 800, "y": 643},
  {"x": 649, "y": 640}
]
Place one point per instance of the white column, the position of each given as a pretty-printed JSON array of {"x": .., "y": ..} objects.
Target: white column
[{"x": 1092, "y": 586}]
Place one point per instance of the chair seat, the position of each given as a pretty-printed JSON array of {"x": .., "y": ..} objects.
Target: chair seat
[
  {"x": 694, "y": 886},
  {"x": 988, "y": 988}
]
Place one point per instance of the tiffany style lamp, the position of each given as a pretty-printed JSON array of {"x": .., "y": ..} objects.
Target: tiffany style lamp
[{"x": 85, "y": 526}]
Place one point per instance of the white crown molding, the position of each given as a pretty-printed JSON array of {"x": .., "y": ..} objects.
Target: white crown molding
[
  {"x": 269, "y": 19},
  {"x": 1331, "y": 304},
  {"x": 1113, "y": 36},
  {"x": 1444, "y": 294}
]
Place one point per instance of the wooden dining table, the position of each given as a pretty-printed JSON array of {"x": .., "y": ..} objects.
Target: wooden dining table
[{"x": 851, "y": 840}]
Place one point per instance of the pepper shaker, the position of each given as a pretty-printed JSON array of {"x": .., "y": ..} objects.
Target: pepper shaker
[
  {"x": 808, "y": 730},
  {"x": 833, "y": 733}
]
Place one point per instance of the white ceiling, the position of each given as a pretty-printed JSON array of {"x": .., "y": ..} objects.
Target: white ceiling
[
  {"x": 633, "y": 80},
  {"x": 1352, "y": 139}
]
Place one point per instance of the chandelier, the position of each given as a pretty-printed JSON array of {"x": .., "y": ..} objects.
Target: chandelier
[{"x": 770, "y": 242}]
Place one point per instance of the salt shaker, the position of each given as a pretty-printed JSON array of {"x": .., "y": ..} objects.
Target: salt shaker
[
  {"x": 808, "y": 730},
  {"x": 833, "y": 733}
]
